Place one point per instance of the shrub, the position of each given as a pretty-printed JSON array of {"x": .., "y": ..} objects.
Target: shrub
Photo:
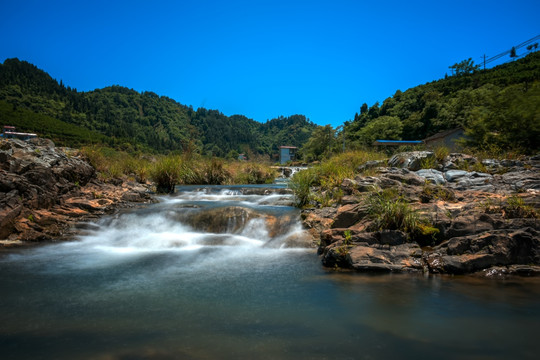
[
  {"x": 301, "y": 184},
  {"x": 516, "y": 208},
  {"x": 441, "y": 152},
  {"x": 251, "y": 173},
  {"x": 391, "y": 212},
  {"x": 166, "y": 173}
]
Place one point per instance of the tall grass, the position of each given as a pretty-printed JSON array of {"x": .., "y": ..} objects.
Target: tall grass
[
  {"x": 166, "y": 171},
  {"x": 391, "y": 212},
  {"x": 328, "y": 176}
]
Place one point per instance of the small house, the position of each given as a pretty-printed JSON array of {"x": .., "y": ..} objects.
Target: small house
[
  {"x": 397, "y": 142},
  {"x": 287, "y": 153},
  {"x": 10, "y": 132},
  {"x": 446, "y": 138}
]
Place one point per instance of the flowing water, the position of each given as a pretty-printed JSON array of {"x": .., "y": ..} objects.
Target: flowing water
[{"x": 219, "y": 273}]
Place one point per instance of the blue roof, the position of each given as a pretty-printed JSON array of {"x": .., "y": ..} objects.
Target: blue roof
[{"x": 401, "y": 141}]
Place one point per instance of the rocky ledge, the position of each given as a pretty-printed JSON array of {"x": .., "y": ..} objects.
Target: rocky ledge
[
  {"x": 45, "y": 192},
  {"x": 473, "y": 221}
]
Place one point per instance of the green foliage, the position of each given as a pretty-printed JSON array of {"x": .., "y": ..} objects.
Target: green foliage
[
  {"x": 328, "y": 176},
  {"x": 429, "y": 162},
  {"x": 464, "y": 67},
  {"x": 441, "y": 152},
  {"x": 127, "y": 120},
  {"x": 166, "y": 173},
  {"x": 391, "y": 212},
  {"x": 516, "y": 208},
  {"x": 436, "y": 192},
  {"x": 251, "y": 173},
  {"x": 381, "y": 128},
  {"x": 301, "y": 184},
  {"x": 499, "y": 106},
  {"x": 320, "y": 145},
  {"x": 511, "y": 208}
]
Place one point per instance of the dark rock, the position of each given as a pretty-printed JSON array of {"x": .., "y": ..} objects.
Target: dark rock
[
  {"x": 391, "y": 237},
  {"x": 348, "y": 215},
  {"x": 400, "y": 258}
]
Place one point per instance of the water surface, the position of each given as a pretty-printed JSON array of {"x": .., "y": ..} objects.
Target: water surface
[{"x": 147, "y": 284}]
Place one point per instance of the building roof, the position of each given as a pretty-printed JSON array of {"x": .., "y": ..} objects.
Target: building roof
[
  {"x": 288, "y": 147},
  {"x": 443, "y": 134},
  {"x": 397, "y": 142}
]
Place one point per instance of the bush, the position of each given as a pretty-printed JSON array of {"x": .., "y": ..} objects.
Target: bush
[
  {"x": 391, "y": 212},
  {"x": 328, "y": 176},
  {"x": 166, "y": 173},
  {"x": 251, "y": 173}
]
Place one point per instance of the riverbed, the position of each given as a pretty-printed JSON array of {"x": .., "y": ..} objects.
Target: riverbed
[{"x": 152, "y": 283}]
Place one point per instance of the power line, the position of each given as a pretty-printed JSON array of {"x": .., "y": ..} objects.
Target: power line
[{"x": 498, "y": 56}]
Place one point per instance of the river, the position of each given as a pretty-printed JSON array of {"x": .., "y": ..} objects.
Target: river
[{"x": 220, "y": 273}]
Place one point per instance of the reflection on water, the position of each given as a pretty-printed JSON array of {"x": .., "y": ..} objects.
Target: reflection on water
[{"x": 150, "y": 285}]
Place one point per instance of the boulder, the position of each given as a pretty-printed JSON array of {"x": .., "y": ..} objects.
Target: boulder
[
  {"x": 401, "y": 258},
  {"x": 410, "y": 160},
  {"x": 432, "y": 175},
  {"x": 348, "y": 215}
]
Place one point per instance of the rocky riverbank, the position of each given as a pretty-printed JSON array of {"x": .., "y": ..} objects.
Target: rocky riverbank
[
  {"x": 483, "y": 222},
  {"x": 46, "y": 191}
]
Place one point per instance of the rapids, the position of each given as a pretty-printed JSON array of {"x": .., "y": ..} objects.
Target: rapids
[{"x": 225, "y": 273}]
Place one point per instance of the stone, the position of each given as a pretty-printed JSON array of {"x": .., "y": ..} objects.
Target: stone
[
  {"x": 395, "y": 259},
  {"x": 348, "y": 215},
  {"x": 432, "y": 175},
  {"x": 410, "y": 160},
  {"x": 454, "y": 175},
  {"x": 42, "y": 190}
]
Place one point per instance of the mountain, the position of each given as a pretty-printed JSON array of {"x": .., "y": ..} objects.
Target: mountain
[
  {"x": 499, "y": 108},
  {"x": 124, "y": 118}
]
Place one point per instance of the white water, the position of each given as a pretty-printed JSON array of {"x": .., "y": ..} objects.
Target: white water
[
  {"x": 147, "y": 285},
  {"x": 160, "y": 228}
]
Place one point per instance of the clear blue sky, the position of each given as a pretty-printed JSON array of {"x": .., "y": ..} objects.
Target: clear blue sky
[{"x": 262, "y": 59}]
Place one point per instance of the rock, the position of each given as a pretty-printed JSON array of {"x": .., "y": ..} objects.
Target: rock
[
  {"x": 454, "y": 175},
  {"x": 432, "y": 175},
  {"x": 391, "y": 237},
  {"x": 401, "y": 258},
  {"x": 370, "y": 165},
  {"x": 473, "y": 253},
  {"x": 42, "y": 191},
  {"x": 348, "y": 186},
  {"x": 348, "y": 215},
  {"x": 410, "y": 160}
]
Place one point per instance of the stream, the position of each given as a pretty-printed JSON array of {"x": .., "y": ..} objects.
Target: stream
[{"x": 222, "y": 272}]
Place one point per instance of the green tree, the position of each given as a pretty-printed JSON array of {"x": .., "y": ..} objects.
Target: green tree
[
  {"x": 464, "y": 67},
  {"x": 321, "y": 143},
  {"x": 382, "y": 128}
]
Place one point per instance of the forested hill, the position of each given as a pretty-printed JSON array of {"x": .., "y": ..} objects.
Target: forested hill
[
  {"x": 124, "y": 118},
  {"x": 497, "y": 107}
]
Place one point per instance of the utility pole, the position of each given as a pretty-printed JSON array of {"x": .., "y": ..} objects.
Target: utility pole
[{"x": 484, "y": 61}]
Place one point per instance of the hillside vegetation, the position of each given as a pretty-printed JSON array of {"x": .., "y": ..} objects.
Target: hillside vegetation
[
  {"x": 126, "y": 119},
  {"x": 498, "y": 108}
]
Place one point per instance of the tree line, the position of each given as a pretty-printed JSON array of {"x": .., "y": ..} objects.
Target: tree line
[
  {"x": 126, "y": 119},
  {"x": 499, "y": 108}
]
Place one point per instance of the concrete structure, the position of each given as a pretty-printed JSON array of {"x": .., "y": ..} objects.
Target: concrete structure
[
  {"x": 448, "y": 138},
  {"x": 11, "y": 133},
  {"x": 287, "y": 153},
  {"x": 397, "y": 142}
]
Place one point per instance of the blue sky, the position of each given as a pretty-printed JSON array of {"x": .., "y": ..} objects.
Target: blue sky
[{"x": 262, "y": 59}]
